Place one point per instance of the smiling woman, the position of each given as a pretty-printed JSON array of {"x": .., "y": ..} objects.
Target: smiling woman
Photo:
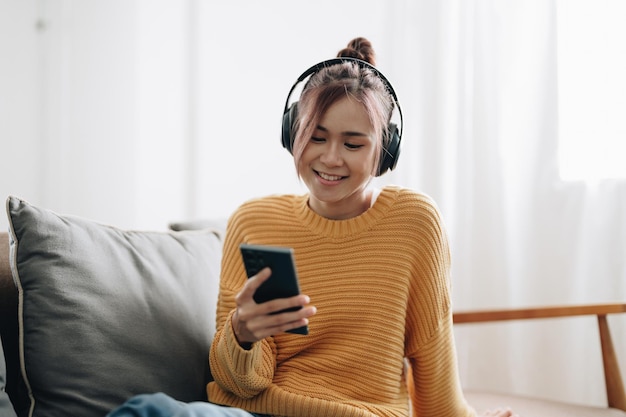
[{"x": 383, "y": 252}]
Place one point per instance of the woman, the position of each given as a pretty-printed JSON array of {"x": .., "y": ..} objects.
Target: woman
[{"x": 373, "y": 266}]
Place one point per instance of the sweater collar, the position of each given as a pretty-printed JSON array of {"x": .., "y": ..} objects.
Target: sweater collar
[{"x": 343, "y": 228}]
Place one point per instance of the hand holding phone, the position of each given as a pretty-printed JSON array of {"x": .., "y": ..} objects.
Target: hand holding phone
[{"x": 283, "y": 283}]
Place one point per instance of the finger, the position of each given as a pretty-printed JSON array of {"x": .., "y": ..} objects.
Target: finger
[
  {"x": 292, "y": 320},
  {"x": 280, "y": 304},
  {"x": 280, "y": 323},
  {"x": 255, "y": 282}
]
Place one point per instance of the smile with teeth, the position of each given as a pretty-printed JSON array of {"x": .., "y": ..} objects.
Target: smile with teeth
[{"x": 328, "y": 177}]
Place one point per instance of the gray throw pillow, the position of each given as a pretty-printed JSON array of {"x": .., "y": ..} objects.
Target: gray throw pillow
[
  {"x": 6, "y": 409},
  {"x": 108, "y": 313}
]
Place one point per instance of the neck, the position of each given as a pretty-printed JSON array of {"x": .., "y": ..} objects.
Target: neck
[{"x": 345, "y": 211}]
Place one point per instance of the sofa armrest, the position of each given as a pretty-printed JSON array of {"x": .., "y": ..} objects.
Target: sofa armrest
[{"x": 616, "y": 395}]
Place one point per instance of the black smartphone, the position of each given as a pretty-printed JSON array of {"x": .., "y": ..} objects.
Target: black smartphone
[{"x": 284, "y": 280}]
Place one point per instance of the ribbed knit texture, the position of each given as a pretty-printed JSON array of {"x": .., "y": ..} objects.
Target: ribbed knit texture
[{"x": 381, "y": 287}]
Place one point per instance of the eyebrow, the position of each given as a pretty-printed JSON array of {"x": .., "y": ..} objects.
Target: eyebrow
[{"x": 347, "y": 133}]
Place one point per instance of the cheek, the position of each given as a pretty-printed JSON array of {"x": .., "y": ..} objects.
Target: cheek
[
  {"x": 303, "y": 160},
  {"x": 368, "y": 164}
]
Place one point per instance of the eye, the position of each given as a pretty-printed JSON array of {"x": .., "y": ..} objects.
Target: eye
[
  {"x": 353, "y": 146},
  {"x": 317, "y": 140}
]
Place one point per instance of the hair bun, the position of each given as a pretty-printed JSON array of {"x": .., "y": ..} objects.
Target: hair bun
[{"x": 359, "y": 48}]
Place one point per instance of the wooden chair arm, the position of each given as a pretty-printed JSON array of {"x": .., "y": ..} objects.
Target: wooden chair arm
[{"x": 616, "y": 395}]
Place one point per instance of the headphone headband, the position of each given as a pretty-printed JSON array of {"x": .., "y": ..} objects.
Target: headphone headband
[{"x": 340, "y": 60}]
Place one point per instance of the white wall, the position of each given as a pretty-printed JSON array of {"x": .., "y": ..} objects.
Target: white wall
[
  {"x": 248, "y": 58},
  {"x": 137, "y": 113},
  {"x": 20, "y": 107},
  {"x": 90, "y": 83}
]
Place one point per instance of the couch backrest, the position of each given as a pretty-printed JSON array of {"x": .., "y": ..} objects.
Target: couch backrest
[
  {"x": 8, "y": 292},
  {"x": 8, "y": 317},
  {"x": 7, "y": 288}
]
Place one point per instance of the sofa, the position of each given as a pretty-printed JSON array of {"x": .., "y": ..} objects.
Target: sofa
[{"x": 91, "y": 314}]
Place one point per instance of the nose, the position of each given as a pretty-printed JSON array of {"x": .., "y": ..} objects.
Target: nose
[{"x": 331, "y": 155}]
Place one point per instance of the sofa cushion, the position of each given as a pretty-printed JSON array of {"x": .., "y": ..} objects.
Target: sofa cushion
[
  {"x": 107, "y": 313},
  {"x": 534, "y": 407}
]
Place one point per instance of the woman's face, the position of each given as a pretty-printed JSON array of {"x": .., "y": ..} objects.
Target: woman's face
[{"x": 337, "y": 162}]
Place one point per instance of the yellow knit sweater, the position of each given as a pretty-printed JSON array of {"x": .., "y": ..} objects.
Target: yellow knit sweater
[{"x": 381, "y": 287}]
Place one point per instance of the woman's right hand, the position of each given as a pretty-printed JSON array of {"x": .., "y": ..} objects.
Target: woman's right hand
[{"x": 253, "y": 322}]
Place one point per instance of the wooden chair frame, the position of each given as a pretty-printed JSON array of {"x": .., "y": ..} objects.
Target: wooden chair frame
[{"x": 615, "y": 393}]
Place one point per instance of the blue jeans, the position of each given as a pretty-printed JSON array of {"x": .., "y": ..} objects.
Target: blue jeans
[{"x": 161, "y": 405}]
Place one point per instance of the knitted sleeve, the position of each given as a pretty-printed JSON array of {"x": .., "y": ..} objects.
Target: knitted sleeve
[
  {"x": 433, "y": 380},
  {"x": 243, "y": 372}
]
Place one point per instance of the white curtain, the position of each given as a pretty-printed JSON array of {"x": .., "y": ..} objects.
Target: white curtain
[{"x": 481, "y": 82}]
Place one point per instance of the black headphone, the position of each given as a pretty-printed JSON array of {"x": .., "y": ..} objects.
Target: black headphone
[{"x": 390, "y": 152}]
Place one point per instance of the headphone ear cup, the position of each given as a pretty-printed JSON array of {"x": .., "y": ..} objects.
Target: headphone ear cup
[
  {"x": 391, "y": 152},
  {"x": 289, "y": 120}
]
